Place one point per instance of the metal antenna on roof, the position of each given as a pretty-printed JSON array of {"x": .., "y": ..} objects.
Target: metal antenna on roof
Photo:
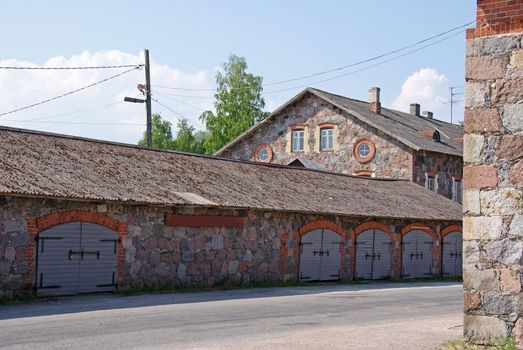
[
  {"x": 146, "y": 90},
  {"x": 452, "y": 101}
]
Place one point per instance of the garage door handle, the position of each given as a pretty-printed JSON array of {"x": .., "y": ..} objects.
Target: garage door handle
[{"x": 97, "y": 253}]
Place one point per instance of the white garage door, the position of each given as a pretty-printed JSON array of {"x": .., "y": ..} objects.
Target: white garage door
[
  {"x": 452, "y": 255},
  {"x": 373, "y": 250},
  {"x": 74, "y": 258},
  {"x": 320, "y": 258},
  {"x": 416, "y": 255}
]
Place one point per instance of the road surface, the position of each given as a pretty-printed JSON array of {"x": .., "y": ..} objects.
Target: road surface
[{"x": 365, "y": 316}]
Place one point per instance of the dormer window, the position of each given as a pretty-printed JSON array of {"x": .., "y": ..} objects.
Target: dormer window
[
  {"x": 436, "y": 136},
  {"x": 326, "y": 139},
  {"x": 297, "y": 140}
]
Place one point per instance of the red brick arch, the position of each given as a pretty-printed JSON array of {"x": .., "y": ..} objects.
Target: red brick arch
[
  {"x": 417, "y": 227},
  {"x": 318, "y": 224},
  {"x": 39, "y": 224},
  {"x": 450, "y": 229}
]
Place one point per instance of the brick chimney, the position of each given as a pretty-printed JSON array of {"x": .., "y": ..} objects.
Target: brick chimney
[
  {"x": 427, "y": 114},
  {"x": 374, "y": 100},
  {"x": 414, "y": 109}
]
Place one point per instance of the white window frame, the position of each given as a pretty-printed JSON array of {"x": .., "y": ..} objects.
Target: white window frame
[
  {"x": 434, "y": 183},
  {"x": 298, "y": 140},
  {"x": 326, "y": 139},
  {"x": 457, "y": 193}
]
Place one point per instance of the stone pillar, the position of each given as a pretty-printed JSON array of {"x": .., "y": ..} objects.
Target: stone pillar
[{"x": 493, "y": 174}]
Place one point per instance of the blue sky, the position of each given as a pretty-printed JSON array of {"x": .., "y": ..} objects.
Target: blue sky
[{"x": 189, "y": 40}]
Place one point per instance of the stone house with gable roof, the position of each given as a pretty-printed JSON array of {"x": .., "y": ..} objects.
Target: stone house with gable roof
[{"x": 317, "y": 129}]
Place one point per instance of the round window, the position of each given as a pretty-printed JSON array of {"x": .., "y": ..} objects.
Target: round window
[
  {"x": 364, "y": 151},
  {"x": 263, "y": 153}
]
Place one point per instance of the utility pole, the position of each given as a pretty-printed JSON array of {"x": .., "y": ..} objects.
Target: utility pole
[
  {"x": 146, "y": 90},
  {"x": 148, "y": 100}
]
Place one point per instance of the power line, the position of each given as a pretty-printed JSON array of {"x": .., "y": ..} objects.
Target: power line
[
  {"x": 67, "y": 113},
  {"x": 342, "y": 67},
  {"x": 178, "y": 101},
  {"x": 69, "y": 93},
  {"x": 367, "y": 67},
  {"x": 169, "y": 108},
  {"x": 72, "y": 123},
  {"x": 71, "y": 68}
]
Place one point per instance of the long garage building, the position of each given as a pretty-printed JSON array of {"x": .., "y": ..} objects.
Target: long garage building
[{"x": 80, "y": 215}]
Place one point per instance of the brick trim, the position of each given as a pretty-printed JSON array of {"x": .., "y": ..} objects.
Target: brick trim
[
  {"x": 203, "y": 220},
  {"x": 298, "y": 126},
  {"x": 364, "y": 173},
  {"x": 318, "y": 224},
  {"x": 451, "y": 228},
  {"x": 35, "y": 225},
  {"x": 417, "y": 227},
  {"x": 375, "y": 225},
  {"x": 326, "y": 125}
]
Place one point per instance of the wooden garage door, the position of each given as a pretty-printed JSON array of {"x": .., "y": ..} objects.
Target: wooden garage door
[
  {"x": 373, "y": 250},
  {"x": 320, "y": 258},
  {"x": 452, "y": 255},
  {"x": 76, "y": 258},
  {"x": 416, "y": 255}
]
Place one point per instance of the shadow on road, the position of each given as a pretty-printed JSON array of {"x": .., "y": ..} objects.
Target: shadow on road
[{"x": 98, "y": 302}]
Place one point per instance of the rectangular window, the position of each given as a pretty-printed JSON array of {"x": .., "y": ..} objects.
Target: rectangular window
[
  {"x": 457, "y": 191},
  {"x": 297, "y": 140},
  {"x": 326, "y": 138},
  {"x": 430, "y": 183}
]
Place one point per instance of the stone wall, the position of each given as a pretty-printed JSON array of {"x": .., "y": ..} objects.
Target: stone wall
[
  {"x": 392, "y": 158},
  {"x": 493, "y": 174},
  {"x": 264, "y": 248},
  {"x": 446, "y": 166}
]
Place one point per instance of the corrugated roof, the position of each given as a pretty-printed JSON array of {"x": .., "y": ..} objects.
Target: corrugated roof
[
  {"x": 404, "y": 127},
  {"x": 49, "y": 165}
]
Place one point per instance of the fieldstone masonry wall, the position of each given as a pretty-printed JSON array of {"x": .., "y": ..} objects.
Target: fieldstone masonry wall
[
  {"x": 392, "y": 158},
  {"x": 264, "y": 248},
  {"x": 493, "y": 174}
]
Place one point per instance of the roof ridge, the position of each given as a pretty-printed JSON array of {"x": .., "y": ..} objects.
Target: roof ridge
[{"x": 206, "y": 156}]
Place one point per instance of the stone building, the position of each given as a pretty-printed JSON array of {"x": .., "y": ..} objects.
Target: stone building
[
  {"x": 80, "y": 215},
  {"x": 493, "y": 174},
  {"x": 317, "y": 129}
]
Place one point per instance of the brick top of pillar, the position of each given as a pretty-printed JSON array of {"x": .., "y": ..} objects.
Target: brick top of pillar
[{"x": 495, "y": 17}]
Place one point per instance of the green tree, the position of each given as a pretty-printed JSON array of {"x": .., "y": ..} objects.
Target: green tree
[
  {"x": 239, "y": 104},
  {"x": 161, "y": 132},
  {"x": 187, "y": 140}
]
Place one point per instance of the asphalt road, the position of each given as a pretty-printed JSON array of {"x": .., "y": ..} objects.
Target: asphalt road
[{"x": 374, "y": 316}]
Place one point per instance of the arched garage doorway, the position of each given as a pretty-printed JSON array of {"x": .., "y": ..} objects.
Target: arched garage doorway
[
  {"x": 76, "y": 257},
  {"x": 320, "y": 258},
  {"x": 416, "y": 252},
  {"x": 373, "y": 252},
  {"x": 451, "y": 252}
]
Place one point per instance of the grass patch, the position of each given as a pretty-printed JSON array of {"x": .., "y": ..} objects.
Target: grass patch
[
  {"x": 508, "y": 343},
  {"x": 219, "y": 285},
  {"x": 17, "y": 299},
  {"x": 429, "y": 279}
]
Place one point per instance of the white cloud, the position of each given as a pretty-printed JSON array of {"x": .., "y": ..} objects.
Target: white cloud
[
  {"x": 20, "y": 88},
  {"x": 430, "y": 89}
]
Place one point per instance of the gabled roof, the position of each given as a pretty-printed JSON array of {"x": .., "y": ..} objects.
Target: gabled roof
[
  {"x": 56, "y": 166},
  {"x": 404, "y": 127}
]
